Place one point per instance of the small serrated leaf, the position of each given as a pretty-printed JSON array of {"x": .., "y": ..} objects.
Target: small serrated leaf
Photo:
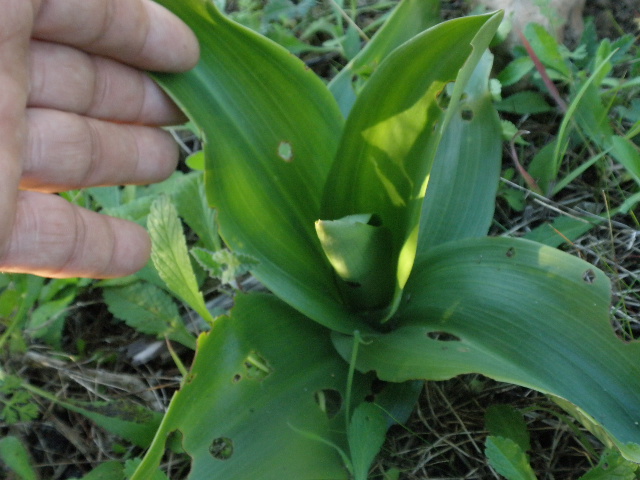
[
  {"x": 170, "y": 256},
  {"x": 18, "y": 404},
  {"x": 507, "y": 421},
  {"x": 508, "y": 459},
  {"x": 149, "y": 310}
]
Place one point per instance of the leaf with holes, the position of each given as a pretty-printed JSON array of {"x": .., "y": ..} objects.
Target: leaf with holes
[
  {"x": 264, "y": 399},
  {"x": 518, "y": 312},
  {"x": 460, "y": 199},
  {"x": 399, "y": 212},
  {"x": 266, "y": 183}
]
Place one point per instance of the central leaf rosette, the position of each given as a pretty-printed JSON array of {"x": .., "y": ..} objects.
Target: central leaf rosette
[{"x": 359, "y": 249}]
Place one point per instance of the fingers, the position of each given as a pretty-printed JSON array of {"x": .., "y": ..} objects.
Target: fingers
[
  {"x": 65, "y": 78},
  {"x": 42, "y": 233},
  {"x": 67, "y": 151},
  {"x": 138, "y": 32},
  {"x": 15, "y": 28},
  {"x": 54, "y": 238}
]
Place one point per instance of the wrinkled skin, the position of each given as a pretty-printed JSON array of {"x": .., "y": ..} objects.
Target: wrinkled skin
[{"x": 76, "y": 110}]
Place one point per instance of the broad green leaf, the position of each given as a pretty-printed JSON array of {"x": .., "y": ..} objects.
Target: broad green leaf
[
  {"x": 357, "y": 249},
  {"x": 391, "y": 136},
  {"x": 251, "y": 408},
  {"x": 461, "y": 195},
  {"x": 350, "y": 43},
  {"x": 408, "y": 19},
  {"x": 518, "y": 312},
  {"x": 149, "y": 310},
  {"x": 508, "y": 459},
  {"x": 16, "y": 457},
  {"x": 170, "y": 256},
  {"x": 9, "y": 300},
  {"x": 252, "y": 99},
  {"x": 506, "y": 421},
  {"x": 366, "y": 434}
]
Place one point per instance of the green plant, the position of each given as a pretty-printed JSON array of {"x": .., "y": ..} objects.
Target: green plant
[
  {"x": 387, "y": 202},
  {"x": 34, "y": 310},
  {"x": 509, "y": 440},
  {"x": 596, "y": 128}
]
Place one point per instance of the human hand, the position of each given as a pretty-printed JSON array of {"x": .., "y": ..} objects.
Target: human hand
[{"x": 74, "y": 112}]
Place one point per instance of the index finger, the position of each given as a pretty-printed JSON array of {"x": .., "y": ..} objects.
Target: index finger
[{"x": 140, "y": 33}]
